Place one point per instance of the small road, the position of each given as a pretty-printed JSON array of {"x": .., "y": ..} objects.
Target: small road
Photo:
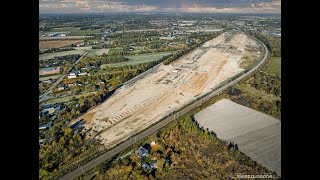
[
  {"x": 158, "y": 125},
  {"x": 44, "y": 97}
]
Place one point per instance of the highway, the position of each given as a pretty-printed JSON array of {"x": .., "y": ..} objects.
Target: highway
[
  {"x": 161, "y": 123},
  {"x": 44, "y": 97}
]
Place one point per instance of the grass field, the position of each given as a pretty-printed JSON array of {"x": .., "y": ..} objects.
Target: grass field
[
  {"x": 275, "y": 66},
  {"x": 66, "y": 99},
  {"x": 57, "y": 54},
  {"x": 49, "y": 77},
  {"x": 113, "y": 50},
  {"x": 75, "y": 31},
  {"x": 92, "y": 52},
  {"x": 57, "y": 44},
  {"x": 97, "y": 52},
  {"x": 138, "y": 59}
]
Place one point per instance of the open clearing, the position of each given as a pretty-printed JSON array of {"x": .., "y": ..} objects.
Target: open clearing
[
  {"x": 203, "y": 30},
  {"x": 75, "y": 31},
  {"x": 135, "y": 107},
  {"x": 138, "y": 59},
  {"x": 57, "y": 54},
  {"x": 68, "y": 98},
  {"x": 102, "y": 51},
  {"x": 258, "y": 135},
  {"x": 97, "y": 52},
  {"x": 275, "y": 66},
  {"x": 57, "y": 43},
  {"x": 114, "y": 50},
  {"x": 64, "y": 38},
  {"x": 49, "y": 77}
]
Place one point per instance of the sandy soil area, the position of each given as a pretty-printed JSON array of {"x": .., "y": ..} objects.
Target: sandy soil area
[{"x": 132, "y": 109}]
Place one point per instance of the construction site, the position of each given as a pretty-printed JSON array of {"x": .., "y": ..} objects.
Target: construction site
[{"x": 135, "y": 107}]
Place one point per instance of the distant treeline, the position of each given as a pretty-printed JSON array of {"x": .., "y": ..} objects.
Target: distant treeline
[
  {"x": 56, "y": 50},
  {"x": 272, "y": 43}
]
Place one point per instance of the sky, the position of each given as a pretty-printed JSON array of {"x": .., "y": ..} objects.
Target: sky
[{"x": 196, "y": 6}]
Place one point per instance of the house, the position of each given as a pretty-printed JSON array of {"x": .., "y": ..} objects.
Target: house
[
  {"x": 46, "y": 126},
  {"x": 146, "y": 166},
  {"x": 47, "y": 107},
  {"x": 147, "y": 147},
  {"x": 71, "y": 77},
  {"x": 142, "y": 152},
  {"x": 60, "y": 87},
  {"x": 59, "y": 108}
]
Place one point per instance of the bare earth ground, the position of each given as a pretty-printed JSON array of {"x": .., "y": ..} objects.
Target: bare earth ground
[
  {"x": 132, "y": 109},
  {"x": 56, "y": 44}
]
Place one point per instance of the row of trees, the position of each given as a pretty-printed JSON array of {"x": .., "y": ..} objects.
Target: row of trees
[{"x": 51, "y": 50}]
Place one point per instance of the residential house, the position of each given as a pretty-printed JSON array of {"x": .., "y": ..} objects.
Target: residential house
[
  {"x": 146, "y": 166},
  {"x": 72, "y": 76},
  {"x": 45, "y": 126},
  {"x": 60, "y": 87},
  {"x": 47, "y": 107},
  {"x": 59, "y": 108},
  {"x": 142, "y": 152}
]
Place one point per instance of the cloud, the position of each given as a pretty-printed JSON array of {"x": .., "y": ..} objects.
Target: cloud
[{"x": 78, "y": 6}]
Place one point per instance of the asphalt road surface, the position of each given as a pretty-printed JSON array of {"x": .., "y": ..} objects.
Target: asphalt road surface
[{"x": 158, "y": 125}]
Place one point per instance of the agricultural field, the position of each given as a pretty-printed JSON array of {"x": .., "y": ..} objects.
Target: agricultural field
[
  {"x": 204, "y": 30},
  {"x": 75, "y": 31},
  {"x": 47, "y": 56},
  {"x": 57, "y": 43},
  {"x": 274, "y": 67},
  {"x": 97, "y": 52},
  {"x": 257, "y": 134},
  {"x": 68, "y": 98},
  {"x": 49, "y": 77},
  {"x": 114, "y": 50},
  {"x": 138, "y": 59}
]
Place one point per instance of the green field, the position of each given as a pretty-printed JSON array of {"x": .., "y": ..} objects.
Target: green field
[
  {"x": 113, "y": 50},
  {"x": 92, "y": 52},
  {"x": 66, "y": 99},
  {"x": 275, "y": 66},
  {"x": 75, "y": 31},
  {"x": 138, "y": 59}
]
